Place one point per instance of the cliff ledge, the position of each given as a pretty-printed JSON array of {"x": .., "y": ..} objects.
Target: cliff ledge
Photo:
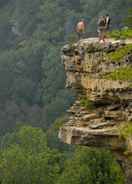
[{"x": 102, "y": 113}]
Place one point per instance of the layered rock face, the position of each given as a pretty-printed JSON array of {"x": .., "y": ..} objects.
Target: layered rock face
[{"x": 103, "y": 106}]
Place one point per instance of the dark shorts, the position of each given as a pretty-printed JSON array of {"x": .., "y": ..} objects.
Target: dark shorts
[{"x": 102, "y": 30}]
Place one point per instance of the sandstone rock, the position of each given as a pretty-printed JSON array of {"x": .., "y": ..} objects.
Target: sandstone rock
[
  {"x": 130, "y": 118},
  {"x": 89, "y": 116},
  {"x": 85, "y": 63},
  {"x": 115, "y": 115},
  {"x": 129, "y": 145},
  {"x": 97, "y": 124},
  {"x": 113, "y": 107}
]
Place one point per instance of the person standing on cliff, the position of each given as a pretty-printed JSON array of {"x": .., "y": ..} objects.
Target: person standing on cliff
[
  {"x": 80, "y": 28},
  {"x": 102, "y": 28}
]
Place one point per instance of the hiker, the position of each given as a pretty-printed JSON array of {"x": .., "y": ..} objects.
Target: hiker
[
  {"x": 102, "y": 28},
  {"x": 80, "y": 28}
]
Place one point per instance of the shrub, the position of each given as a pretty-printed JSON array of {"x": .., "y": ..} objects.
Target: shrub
[{"x": 126, "y": 130}]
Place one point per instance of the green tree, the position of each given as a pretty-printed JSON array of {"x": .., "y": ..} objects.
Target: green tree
[
  {"x": 26, "y": 16},
  {"x": 27, "y": 159},
  {"x": 91, "y": 167}
]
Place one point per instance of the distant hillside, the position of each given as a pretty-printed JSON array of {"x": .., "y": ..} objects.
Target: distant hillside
[{"x": 32, "y": 32}]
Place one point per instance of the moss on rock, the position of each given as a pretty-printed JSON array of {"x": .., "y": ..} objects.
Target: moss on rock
[
  {"x": 126, "y": 134},
  {"x": 120, "y": 74},
  {"x": 120, "y": 53},
  {"x": 126, "y": 130},
  {"x": 85, "y": 102}
]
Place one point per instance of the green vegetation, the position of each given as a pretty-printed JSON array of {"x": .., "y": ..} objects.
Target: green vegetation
[
  {"x": 120, "y": 53},
  {"x": 126, "y": 133},
  {"x": 123, "y": 34},
  {"x": 129, "y": 18},
  {"x": 85, "y": 102},
  {"x": 80, "y": 169},
  {"x": 32, "y": 91},
  {"x": 126, "y": 130},
  {"x": 32, "y": 32},
  {"x": 120, "y": 74},
  {"x": 25, "y": 158}
]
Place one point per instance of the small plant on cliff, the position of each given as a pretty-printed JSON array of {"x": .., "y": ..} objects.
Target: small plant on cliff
[
  {"x": 121, "y": 74},
  {"x": 85, "y": 102},
  {"x": 126, "y": 130},
  {"x": 126, "y": 133},
  {"x": 120, "y": 53}
]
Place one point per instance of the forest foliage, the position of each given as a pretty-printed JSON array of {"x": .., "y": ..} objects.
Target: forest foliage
[
  {"x": 32, "y": 32},
  {"x": 33, "y": 94},
  {"x": 26, "y": 158}
]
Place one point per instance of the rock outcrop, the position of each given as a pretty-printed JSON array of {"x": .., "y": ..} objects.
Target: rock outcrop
[{"x": 104, "y": 106}]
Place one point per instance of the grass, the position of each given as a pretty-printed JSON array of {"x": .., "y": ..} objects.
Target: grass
[
  {"x": 122, "y": 34},
  {"x": 120, "y": 53},
  {"x": 124, "y": 74}
]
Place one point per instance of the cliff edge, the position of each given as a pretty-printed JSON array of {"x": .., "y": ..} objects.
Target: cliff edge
[{"x": 102, "y": 113}]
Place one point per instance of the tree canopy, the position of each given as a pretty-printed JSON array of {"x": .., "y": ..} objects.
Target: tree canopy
[{"x": 26, "y": 158}]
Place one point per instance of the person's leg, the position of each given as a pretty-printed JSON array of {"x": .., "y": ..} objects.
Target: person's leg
[
  {"x": 99, "y": 35},
  {"x": 103, "y": 35},
  {"x": 107, "y": 33}
]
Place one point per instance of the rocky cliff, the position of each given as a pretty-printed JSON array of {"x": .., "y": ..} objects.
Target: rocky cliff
[{"x": 102, "y": 113}]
